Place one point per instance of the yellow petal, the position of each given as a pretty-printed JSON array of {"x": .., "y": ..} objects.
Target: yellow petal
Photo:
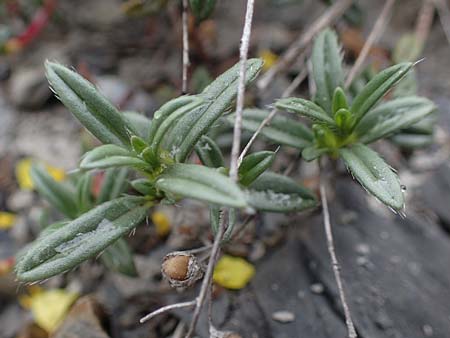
[
  {"x": 50, "y": 307},
  {"x": 269, "y": 58},
  {"x": 233, "y": 272},
  {"x": 161, "y": 222},
  {"x": 23, "y": 176},
  {"x": 7, "y": 220}
]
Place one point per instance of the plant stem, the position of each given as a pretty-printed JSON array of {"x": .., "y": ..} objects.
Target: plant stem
[
  {"x": 326, "y": 19},
  {"x": 206, "y": 283},
  {"x": 166, "y": 309},
  {"x": 245, "y": 41},
  {"x": 424, "y": 21},
  {"x": 294, "y": 84},
  {"x": 444, "y": 16},
  {"x": 334, "y": 262},
  {"x": 206, "y": 279},
  {"x": 373, "y": 37},
  {"x": 184, "y": 20}
]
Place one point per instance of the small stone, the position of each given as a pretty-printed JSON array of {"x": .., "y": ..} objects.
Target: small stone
[
  {"x": 427, "y": 330},
  {"x": 317, "y": 288},
  {"x": 283, "y": 316},
  {"x": 363, "y": 249},
  {"x": 29, "y": 88}
]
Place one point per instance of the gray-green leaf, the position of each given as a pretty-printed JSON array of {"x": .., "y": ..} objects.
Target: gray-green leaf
[
  {"x": 202, "y": 183},
  {"x": 374, "y": 174},
  {"x": 377, "y": 88},
  {"x": 281, "y": 130},
  {"x": 82, "y": 238},
  {"x": 209, "y": 152},
  {"x": 91, "y": 108},
  {"x": 306, "y": 108},
  {"x": 57, "y": 194},
  {"x": 327, "y": 68},
  {"x": 254, "y": 165},
  {"x": 392, "y": 116},
  {"x": 278, "y": 193},
  {"x": 110, "y": 155}
]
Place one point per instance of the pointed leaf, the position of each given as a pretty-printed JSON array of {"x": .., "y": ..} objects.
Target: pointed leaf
[
  {"x": 278, "y": 193},
  {"x": 118, "y": 257},
  {"x": 82, "y": 238},
  {"x": 57, "y": 194},
  {"x": 392, "y": 116},
  {"x": 254, "y": 165},
  {"x": 327, "y": 68},
  {"x": 202, "y": 183},
  {"x": 374, "y": 174},
  {"x": 339, "y": 100},
  {"x": 110, "y": 155},
  {"x": 306, "y": 108},
  {"x": 140, "y": 123},
  {"x": 84, "y": 195},
  {"x": 209, "y": 152},
  {"x": 281, "y": 130},
  {"x": 92, "y": 109},
  {"x": 113, "y": 185},
  {"x": 377, "y": 88},
  {"x": 219, "y": 96}
]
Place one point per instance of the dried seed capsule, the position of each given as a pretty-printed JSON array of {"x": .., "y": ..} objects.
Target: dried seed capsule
[{"x": 181, "y": 269}]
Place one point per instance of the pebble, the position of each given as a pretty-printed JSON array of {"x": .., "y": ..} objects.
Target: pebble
[
  {"x": 283, "y": 316},
  {"x": 317, "y": 288}
]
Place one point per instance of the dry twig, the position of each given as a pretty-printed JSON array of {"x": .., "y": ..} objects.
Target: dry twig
[
  {"x": 424, "y": 21},
  {"x": 184, "y": 20},
  {"x": 166, "y": 309},
  {"x": 294, "y": 84},
  {"x": 444, "y": 16},
  {"x": 245, "y": 41},
  {"x": 334, "y": 262},
  {"x": 374, "y": 35},
  {"x": 326, "y": 19}
]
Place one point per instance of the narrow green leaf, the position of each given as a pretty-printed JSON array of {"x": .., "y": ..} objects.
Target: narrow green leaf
[
  {"x": 344, "y": 120},
  {"x": 412, "y": 141},
  {"x": 219, "y": 96},
  {"x": 170, "y": 112},
  {"x": 209, "y": 152},
  {"x": 306, "y": 108},
  {"x": 281, "y": 130},
  {"x": 215, "y": 216},
  {"x": 57, "y": 194},
  {"x": 202, "y": 183},
  {"x": 113, "y": 185},
  {"x": 92, "y": 109},
  {"x": 118, "y": 257},
  {"x": 81, "y": 239},
  {"x": 377, "y": 88},
  {"x": 327, "y": 68},
  {"x": 138, "y": 144},
  {"x": 339, "y": 100},
  {"x": 140, "y": 123},
  {"x": 392, "y": 116},
  {"x": 374, "y": 175},
  {"x": 254, "y": 165},
  {"x": 109, "y": 155},
  {"x": 278, "y": 193},
  {"x": 144, "y": 186},
  {"x": 311, "y": 153},
  {"x": 84, "y": 195}
]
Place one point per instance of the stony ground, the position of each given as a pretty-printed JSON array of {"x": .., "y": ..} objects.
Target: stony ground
[{"x": 396, "y": 270}]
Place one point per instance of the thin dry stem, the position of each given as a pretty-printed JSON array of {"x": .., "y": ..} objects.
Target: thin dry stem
[
  {"x": 245, "y": 41},
  {"x": 294, "y": 84},
  {"x": 334, "y": 262},
  {"x": 299, "y": 45},
  {"x": 424, "y": 21},
  {"x": 444, "y": 16},
  {"x": 166, "y": 309},
  {"x": 206, "y": 280},
  {"x": 186, "y": 62},
  {"x": 374, "y": 35}
]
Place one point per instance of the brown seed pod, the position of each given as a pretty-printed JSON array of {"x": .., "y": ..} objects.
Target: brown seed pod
[{"x": 181, "y": 269}]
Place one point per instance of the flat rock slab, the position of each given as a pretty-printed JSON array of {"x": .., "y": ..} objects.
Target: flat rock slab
[{"x": 396, "y": 274}]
